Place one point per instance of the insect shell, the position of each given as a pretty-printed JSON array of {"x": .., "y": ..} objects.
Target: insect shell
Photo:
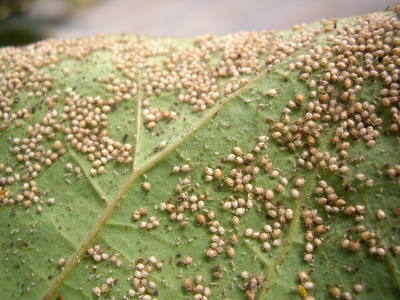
[
  {"x": 61, "y": 262},
  {"x": 188, "y": 284},
  {"x": 335, "y": 291},
  {"x": 147, "y": 186},
  {"x": 381, "y": 214},
  {"x": 303, "y": 276},
  {"x": 231, "y": 252},
  {"x": 211, "y": 253},
  {"x": 187, "y": 260}
]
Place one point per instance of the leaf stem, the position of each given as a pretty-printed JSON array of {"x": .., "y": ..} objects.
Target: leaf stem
[
  {"x": 302, "y": 197},
  {"x": 90, "y": 238},
  {"x": 288, "y": 241},
  {"x": 255, "y": 250}
]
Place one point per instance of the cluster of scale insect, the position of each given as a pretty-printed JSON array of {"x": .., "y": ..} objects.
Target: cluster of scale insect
[
  {"x": 153, "y": 115},
  {"x": 357, "y": 55},
  {"x": 242, "y": 178},
  {"x": 98, "y": 255},
  {"x": 186, "y": 70},
  {"x": 333, "y": 204},
  {"x": 32, "y": 155},
  {"x": 253, "y": 284},
  {"x": 84, "y": 122},
  {"x": 221, "y": 243},
  {"x": 150, "y": 224},
  {"x": 334, "y": 100},
  {"x": 244, "y": 173},
  {"x": 106, "y": 288},
  {"x": 31, "y": 159},
  {"x": 186, "y": 201},
  {"x": 29, "y": 194},
  {"x": 368, "y": 52},
  {"x": 143, "y": 286},
  {"x": 197, "y": 288}
]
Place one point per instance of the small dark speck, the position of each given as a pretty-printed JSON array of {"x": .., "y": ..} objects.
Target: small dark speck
[
  {"x": 94, "y": 79},
  {"x": 60, "y": 227},
  {"x": 155, "y": 149},
  {"x": 178, "y": 255},
  {"x": 125, "y": 137}
]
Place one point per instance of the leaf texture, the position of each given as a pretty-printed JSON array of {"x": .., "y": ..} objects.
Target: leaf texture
[{"x": 207, "y": 168}]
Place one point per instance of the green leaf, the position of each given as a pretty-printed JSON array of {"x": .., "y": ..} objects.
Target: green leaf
[{"x": 130, "y": 198}]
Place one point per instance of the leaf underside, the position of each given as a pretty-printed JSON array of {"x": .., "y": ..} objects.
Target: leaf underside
[{"x": 243, "y": 159}]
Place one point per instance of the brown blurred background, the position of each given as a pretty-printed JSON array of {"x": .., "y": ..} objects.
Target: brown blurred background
[{"x": 25, "y": 21}]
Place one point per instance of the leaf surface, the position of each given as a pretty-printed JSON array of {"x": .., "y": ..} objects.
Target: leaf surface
[{"x": 299, "y": 149}]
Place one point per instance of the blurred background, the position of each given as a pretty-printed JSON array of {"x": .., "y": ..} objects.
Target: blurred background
[{"x": 26, "y": 21}]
